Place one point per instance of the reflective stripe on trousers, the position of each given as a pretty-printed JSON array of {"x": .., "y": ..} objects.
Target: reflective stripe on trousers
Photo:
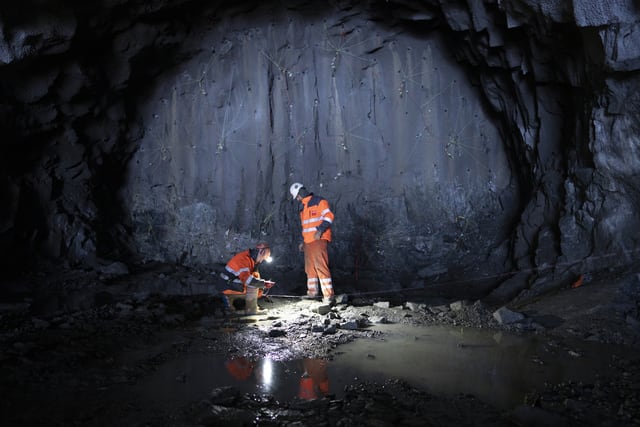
[{"x": 316, "y": 266}]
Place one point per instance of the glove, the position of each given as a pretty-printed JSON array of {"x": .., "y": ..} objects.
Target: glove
[{"x": 268, "y": 284}]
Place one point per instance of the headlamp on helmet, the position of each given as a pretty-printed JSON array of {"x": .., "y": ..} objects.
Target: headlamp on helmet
[{"x": 265, "y": 251}]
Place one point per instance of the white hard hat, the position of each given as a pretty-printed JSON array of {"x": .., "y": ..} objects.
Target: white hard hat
[{"x": 295, "y": 189}]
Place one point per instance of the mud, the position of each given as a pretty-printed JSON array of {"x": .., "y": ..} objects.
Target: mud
[{"x": 81, "y": 348}]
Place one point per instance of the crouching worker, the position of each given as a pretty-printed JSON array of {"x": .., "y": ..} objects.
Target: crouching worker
[{"x": 241, "y": 279}]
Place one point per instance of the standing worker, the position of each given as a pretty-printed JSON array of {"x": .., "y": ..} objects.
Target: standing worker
[
  {"x": 242, "y": 282},
  {"x": 316, "y": 219},
  {"x": 314, "y": 383}
]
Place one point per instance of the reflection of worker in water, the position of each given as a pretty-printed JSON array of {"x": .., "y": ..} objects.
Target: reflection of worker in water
[
  {"x": 314, "y": 383},
  {"x": 243, "y": 285},
  {"x": 240, "y": 367}
]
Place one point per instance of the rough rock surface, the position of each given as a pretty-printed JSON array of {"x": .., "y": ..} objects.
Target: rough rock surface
[
  {"x": 61, "y": 358},
  {"x": 445, "y": 133}
]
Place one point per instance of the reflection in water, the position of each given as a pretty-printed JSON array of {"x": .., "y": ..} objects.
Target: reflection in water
[
  {"x": 498, "y": 368},
  {"x": 313, "y": 383},
  {"x": 239, "y": 367},
  {"x": 266, "y": 375}
]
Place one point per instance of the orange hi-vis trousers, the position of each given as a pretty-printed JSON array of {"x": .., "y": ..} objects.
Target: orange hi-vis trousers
[{"x": 316, "y": 265}]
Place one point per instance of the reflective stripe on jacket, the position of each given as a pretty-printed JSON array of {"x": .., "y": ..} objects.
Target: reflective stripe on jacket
[
  {"x": 242, "y": 266},
  {"x": 315, "y": 214}
]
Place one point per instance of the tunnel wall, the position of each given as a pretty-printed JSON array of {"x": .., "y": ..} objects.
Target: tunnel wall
[
  {"x": 382, "y": 123},
  {"x": 87, "y": 91}
]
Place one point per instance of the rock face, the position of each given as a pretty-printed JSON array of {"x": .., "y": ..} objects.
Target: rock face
[
  {"x": 444, "y": 134},
  {"x": 381, "y": 123}
]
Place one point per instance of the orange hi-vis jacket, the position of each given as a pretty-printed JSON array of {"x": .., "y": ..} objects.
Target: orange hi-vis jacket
[
  {"x": 242, "y": 266},
  {"x": 315, "y": 215}
]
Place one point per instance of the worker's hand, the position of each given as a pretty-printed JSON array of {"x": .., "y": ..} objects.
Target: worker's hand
[
  {"x": 301, "y": 247},
  {"x": 317, "y": 235},
  {"x": 268, "y": 284}
]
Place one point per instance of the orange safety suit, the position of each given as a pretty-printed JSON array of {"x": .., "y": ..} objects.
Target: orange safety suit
[
  {"x": 316, "y": 215},
  {"x": 242, "y": 266},
  {"x": 239, "y": 367},
  {"x": 314, "y": 383}
]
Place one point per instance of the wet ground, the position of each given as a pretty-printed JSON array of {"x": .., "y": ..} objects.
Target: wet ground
[{"x": 98, "y": 352}]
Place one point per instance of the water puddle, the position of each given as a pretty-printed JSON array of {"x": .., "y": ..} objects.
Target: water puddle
[
  {"x": 194, "y": 376},
  {"x": 498, "y": 368}
]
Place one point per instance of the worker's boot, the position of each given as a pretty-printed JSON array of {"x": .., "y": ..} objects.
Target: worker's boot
[
  {"x": 330, "y": 300},
  {"x": 227, "y": 307},
  {"x": 233, "y": 304},
  {"x": 251, "y": 298}
]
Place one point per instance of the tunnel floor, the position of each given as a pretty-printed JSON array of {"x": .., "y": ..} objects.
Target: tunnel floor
[{"x": 151, "y": 359}]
